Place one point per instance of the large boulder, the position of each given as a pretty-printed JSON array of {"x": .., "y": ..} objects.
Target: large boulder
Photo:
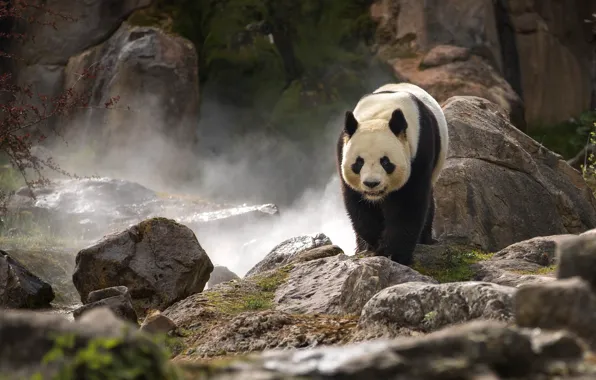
[
  {"x": 446, "y": 48},
  {"x": 42, "y": 58},
  {"x": 158, "y": 260},
  {"x": 500, "y": 186},
  {"x": 155, "y": 76},
  {"x": 94, "y": 22},
  {"x": 19, "y": 288}
]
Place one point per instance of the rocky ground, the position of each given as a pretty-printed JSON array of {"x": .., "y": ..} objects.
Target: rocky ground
[{"x": 507, "y": 292}]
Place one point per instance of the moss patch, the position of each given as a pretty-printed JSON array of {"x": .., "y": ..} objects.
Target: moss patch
[
  {"x": 450, "y": 264},
  {"x": 548, "y": 270},
  {"x": 253, "y": 294}
]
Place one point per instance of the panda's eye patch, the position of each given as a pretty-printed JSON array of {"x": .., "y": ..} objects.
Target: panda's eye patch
[
  {"x": 357, "y": 166},
  {"x": 387, "y": 165}
]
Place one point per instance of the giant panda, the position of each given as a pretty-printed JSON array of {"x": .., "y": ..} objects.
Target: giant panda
[{"x": 390, "y": 152}]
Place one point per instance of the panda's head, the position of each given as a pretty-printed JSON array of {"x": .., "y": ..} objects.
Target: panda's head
[{"x": 376, "y": 155}]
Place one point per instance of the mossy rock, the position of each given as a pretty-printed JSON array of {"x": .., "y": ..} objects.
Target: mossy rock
[
  {"x": 448, "y": 263},
  {"x": 254, "y": 294}
]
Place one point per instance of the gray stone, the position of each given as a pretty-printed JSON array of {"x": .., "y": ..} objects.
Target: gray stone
[
  {"x": 564, "y": 304},
  {"x": 496, "y": 179},
  {"x": 27, "y": 337},
  {"x": 429, "y": 307},
  {"x": 221, "y": 274},
  {"x": 19, "y": 288},
  {"x": 157, "y": 323},
  {"x": 158, "y": 260},
  {"x": 340, "y": 284},
  {"x": 113, "y": 291},
  {"x": 283, "y": 253},
  {"x": 577, "y": 257},
  {"x": 474, "y": 350},
  {"x": 120, "y": 305}
]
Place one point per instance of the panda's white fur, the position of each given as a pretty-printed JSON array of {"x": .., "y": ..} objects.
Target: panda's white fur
[{"x": 373, "y": 139}]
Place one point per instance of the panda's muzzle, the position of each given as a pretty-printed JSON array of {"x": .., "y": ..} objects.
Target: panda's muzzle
[{"x": 371, "y": 184}]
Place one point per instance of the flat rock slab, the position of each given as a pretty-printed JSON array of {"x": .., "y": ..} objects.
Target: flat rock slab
[
  {"x": 475, "y": 350},
  {"x": 340, "y": 284},
  {"x": 428, "y": 307}
]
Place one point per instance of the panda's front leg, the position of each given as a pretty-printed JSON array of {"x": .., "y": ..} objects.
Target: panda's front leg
[{"x": 405, "y": 217}]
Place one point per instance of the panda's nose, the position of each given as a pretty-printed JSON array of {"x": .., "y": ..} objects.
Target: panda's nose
[{"x": 372, "y": 184}]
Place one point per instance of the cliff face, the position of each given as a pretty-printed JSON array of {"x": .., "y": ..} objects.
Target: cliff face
[{"x": 541, "y": 48}]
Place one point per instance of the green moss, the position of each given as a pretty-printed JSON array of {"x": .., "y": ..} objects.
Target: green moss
[
  {"x": 540, "y": 272},
  {"x": 314, "y": 66},
  {"x": 256, "y": 293},
  {"x": 453, "y": 265},
  {"x": 110, "y": 358}
]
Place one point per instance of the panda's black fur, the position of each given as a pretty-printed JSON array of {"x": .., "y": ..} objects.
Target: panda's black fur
[{"x": 404, "y": 218}]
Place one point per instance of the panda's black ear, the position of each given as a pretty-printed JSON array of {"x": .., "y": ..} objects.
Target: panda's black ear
[
  {"x": 398, "y": 122},
  {"x": 350, "y": 123}
]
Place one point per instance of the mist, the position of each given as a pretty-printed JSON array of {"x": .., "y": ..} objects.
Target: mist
[{"x": 258, "y": 167}]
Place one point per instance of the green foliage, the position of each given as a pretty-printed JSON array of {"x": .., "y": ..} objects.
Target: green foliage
[
  {"x": 253, "y": 294},
  {"x": 589, "y": 170},
  {"x": 110, "y": 358},
  {"x": 453, "y": 265},
  {"x": 542, "y": 271},
  {"x": 566, "y": 138},
  {"x": 288, "y": 66}
]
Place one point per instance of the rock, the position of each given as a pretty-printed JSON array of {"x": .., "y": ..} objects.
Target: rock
[
  {"x": 577, "y": 257},
  {"x": 19, "y": 288},
  {"x": 323, "y": 251},
  {"x": 155, "y": 74},
  {"x": 157, "y": 323},
  {"x": 27, "y": 337},
  {"x": 565, "y": 304},
  {"x": 44, "y": 58},
  {"x": 283, "y": 253},
  {"x": 444, "y": 54},
  {"x": 158, "y": 260},
  {"x": 120, "y": 305},
  {"x": 475, "y": 350},
  {"x": 554, "y": 34},
  {"x": 113, "y": 291},
  {"x": 505, "y": 39},
  {"x": 410, "y": 34},
  {"x": 88, "y": 209},
  {"x": 96, "y": 21},
  {"x": 496, "y": 179},
  {"x": 54, "y": 265},
  {"x": 340, "y": 284},
  {"x": 527, "y": 262},
  {"x": 262, "y": 330},
  {"x": 221, "y": 274},
  {"x": 429, "y": 307}
]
